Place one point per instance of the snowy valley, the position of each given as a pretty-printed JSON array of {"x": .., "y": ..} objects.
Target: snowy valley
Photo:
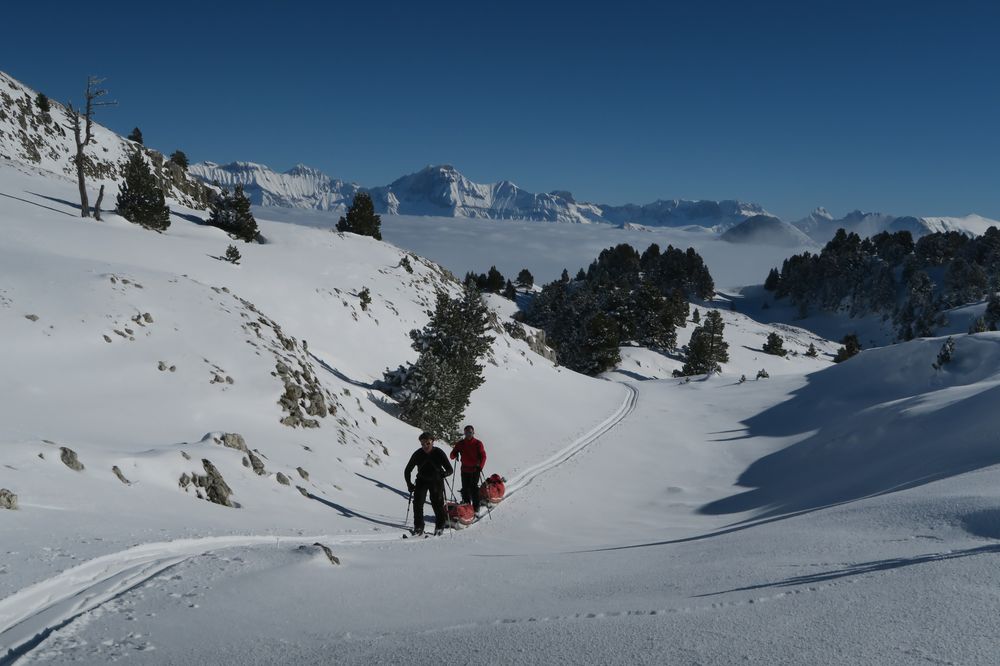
[{"x": 205, "y": 469}]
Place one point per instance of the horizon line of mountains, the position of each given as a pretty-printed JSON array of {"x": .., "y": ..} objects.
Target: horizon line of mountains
[{"x": 442, "y": 191}]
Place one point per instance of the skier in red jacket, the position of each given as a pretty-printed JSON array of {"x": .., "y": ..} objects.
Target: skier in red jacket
[{"x": 473, "y": 460}]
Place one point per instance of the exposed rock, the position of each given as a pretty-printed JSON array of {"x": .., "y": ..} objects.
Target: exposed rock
[
  {"x": 257, "y": 464},
  {"x": 185, "y": 455},
  {"x": 32, "y": 317},
  {"x": 184, "y": 481},
  {"x": 70, "y": 459},
  {"x": 148, "y": 318},
  {"x": 536, "y": 341},
  {"x": 305, "y": 493},
  {"x": 8, "y": 500},
  {"x": 304, "y": 474},
  {"x": 233, "y": 440},
  {"x": 107, "y": 339},
  {"x": 282, "y": 479},
  {"x": 121, "y": 477},
  {"x": 329, "y": 553},
  {"x": 216, "y": 488},
  {"x": 161, "y": 366}
]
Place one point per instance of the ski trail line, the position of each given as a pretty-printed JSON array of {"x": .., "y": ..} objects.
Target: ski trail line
[{"x": 31, "y": 614}]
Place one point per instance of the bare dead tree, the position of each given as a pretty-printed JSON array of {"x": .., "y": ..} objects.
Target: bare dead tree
[
  {"x": 83, "y": 133},
  {"x": 97, "y": 204}
]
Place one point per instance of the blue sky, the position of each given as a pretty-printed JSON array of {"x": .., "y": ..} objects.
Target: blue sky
[{"x": 887, "y": 106}]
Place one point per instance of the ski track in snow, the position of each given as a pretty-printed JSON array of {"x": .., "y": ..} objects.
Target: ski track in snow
[{"x": 32, "y": 614}]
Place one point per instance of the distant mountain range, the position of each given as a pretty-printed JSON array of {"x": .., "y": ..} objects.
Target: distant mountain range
[{"x": 443, "y": 191}]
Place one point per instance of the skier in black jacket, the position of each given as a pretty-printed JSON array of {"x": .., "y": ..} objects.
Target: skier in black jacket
[{"x": 432, "y": 469}]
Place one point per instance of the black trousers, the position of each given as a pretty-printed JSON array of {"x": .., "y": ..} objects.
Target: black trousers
[
  {"x": 470, "y": 488},
  {"x": 420, "y": 491}
]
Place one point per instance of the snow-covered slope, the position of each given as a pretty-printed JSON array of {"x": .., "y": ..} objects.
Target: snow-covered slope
[
  {"x": 43, "y": 141},
  {"x": 766, "y": 230},
  {"x": 299, "y": 187}
]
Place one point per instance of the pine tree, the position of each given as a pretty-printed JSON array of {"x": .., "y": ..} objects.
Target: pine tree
[
  {"x": 42, "y": 102},
  {"x": 581, "y": 275},
  {"x": 180, "y": 159},
  {"x": 775, "y": 345},
  {"x": 851, "y": 347},
  {"x": 233, "y": 255},
  {"x": 509, "y": 292},
  {"x": 435, "y": 390},
  {"x": 696, "y": 316},
  {"x": 495, "y": 281},
  {"x": 361, "y": 218},
  {"x": 140, "y": 200},
  {"x": 565, "y": 275},
  {"x": 707, "y": 349},
  {"x": 812, "y": 352},
  {"x": 773, "y": 278},
  {"x": 525, "y": 280},
  {"x": 230, "y": 211},
  {"x": 135, "y": 135}
]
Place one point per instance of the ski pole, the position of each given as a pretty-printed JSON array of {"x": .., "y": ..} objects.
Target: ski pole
[
  {"x": 482, "y": 481},
  {"x": 409, "y": 501}
]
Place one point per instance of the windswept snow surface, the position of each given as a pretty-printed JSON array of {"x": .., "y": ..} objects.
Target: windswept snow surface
[{"x": 830, "y": 514}]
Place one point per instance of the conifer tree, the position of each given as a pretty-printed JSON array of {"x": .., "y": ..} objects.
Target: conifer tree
[
  {"x": 509, "y": 292},
  {"x": 495, "y": 281},
  {"x": 435, "y": 391},
  {"x": 707, "y": 349},
  {"x": 135, "y": 135},
  {"x": 233, "y": 255},
  {"x": 851, "y": 347},
  {"x": 774, "y": 345},
  {"x": 773, "y": 278},
  {"x": 230, "y": 211},
  {"x": 361, "y": 218},
  {"x": 696, "y": 316},
  {"x": 140, "y": 200},
  {"x": 525, "y": 280},
  {"x": 812, "y": 352},
  {"x": 42, "y": 102},
  {"x": 581, "y": 275},
  {"x": 180, "y": 159},
  {"x": 565, "y": 275},
  {"x": 945, "y": 355}
]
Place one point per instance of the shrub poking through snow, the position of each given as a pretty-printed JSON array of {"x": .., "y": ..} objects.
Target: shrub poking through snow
[
  {"x": 233, "y": 255},
  {"x": 945, "y": 355},
  {"x": 812, "y": 352},
  {"x": 365, "y": 297}
]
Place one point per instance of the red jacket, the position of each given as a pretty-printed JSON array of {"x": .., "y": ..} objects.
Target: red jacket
[{"x": 473, "y": 454}]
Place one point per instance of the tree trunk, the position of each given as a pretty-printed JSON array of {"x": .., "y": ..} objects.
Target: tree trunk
[
  {"x": 97, "y": 204},
  {"x": 84, "y": 204}
]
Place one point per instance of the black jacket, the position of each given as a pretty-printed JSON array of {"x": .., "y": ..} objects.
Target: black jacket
[{"x": 433, "y": 466}]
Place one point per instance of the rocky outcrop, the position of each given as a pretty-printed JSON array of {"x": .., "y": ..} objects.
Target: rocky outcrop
[
  {"x": 210, "y": 485},
  {"x": 121, "y": 477},
  {"x": 8, "y": 500},
  {"x": 70, "y": 459}
]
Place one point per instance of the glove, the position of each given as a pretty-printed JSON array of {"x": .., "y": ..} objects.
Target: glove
[{"x": 409, "y": 486}]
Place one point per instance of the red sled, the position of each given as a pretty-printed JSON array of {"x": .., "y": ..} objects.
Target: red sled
[
  {"x": 460, "y": 514},
  {"x": 492, "y": 491}
]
